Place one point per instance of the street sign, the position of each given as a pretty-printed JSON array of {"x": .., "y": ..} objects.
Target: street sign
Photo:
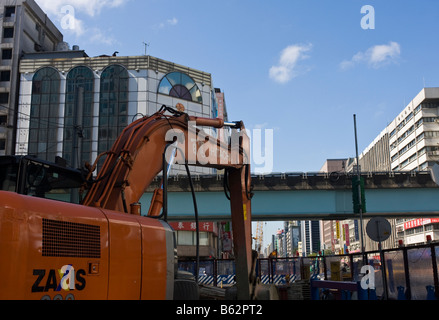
[{"x": 378, "y": 229}]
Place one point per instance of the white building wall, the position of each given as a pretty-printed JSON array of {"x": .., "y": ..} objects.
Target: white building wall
[
  {"x": 417, "y": 149},
  {"x": 406, "y": 141},
  {"x": 143, "y": 101}
]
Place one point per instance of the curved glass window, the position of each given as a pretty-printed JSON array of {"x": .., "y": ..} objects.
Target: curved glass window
[
  {"x": 113, "y": 106},
  {"x": 43, "y": 130},
  {"x": 180, "y": 85},
  {"x": 78, "y": 121}
]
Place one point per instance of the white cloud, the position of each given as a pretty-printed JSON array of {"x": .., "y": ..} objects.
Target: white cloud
[
  {"x": 284, "y": 71},
  {"x": 172, "y": 21},
  {"x": 168, "y": 22},
  {"x": 77, "y": 27},
  {"x": 66, "y": 13},
  {"x": 97, "y": 36},
  {"x": 376, "y": 56},
  {"x": 90, "y": 7}
]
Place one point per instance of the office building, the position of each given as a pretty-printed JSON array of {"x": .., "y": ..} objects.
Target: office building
[
  {"x": 208, "y": 239},
  {"x": 292, "y": 238},
  {"x": 24, "y": 28},
  {"x": 417, "y": 231},
  {"x": 310, "y": 237},
  {"x": 410, "y": 142},
  {"x": 337, "y": 236},
  {"x": 71, "y": 104}
]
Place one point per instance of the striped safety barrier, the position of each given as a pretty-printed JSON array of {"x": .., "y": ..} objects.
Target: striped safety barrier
[{"x": 230, "y": 279}]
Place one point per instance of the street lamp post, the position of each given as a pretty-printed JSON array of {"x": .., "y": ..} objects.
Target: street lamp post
[{"x": 359, "y": 190}]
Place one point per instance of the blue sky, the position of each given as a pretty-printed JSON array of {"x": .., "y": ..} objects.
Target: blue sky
[{"x": 301, "y": 68}]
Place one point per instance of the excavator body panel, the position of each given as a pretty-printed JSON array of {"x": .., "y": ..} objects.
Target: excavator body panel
[{"x": 54, "y": 250}]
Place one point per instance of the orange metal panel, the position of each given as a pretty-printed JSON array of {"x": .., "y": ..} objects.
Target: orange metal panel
[
  {"x": 125, "y": 271},
  {"x": 154, "y": 269},
  {"x": 59, "y": 268},
  {"x": 34, "y": 266}
]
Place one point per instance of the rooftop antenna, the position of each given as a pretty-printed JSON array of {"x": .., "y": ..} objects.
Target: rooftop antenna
[{"x": 146, "y": 46}]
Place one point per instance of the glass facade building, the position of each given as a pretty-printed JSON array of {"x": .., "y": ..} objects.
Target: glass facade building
[
  {"x": 44, "y": 113},
  {"x": 75, "y": 108}
]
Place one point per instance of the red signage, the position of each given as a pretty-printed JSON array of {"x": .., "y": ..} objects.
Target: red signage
[
  {"x": 419, "y": 222},
  {"x": 191, "y": 226},
  {"x": 346, "y": 229}
]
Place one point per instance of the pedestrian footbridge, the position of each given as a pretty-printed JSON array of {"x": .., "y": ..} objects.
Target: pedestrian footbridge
[{"x": 298, "y": 196}]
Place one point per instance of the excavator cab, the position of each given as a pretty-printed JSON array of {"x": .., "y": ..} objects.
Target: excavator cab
[{"x": 31, "y": 176}]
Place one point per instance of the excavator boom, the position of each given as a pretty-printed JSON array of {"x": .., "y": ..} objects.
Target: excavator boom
[{"x": 137, "y": 157}]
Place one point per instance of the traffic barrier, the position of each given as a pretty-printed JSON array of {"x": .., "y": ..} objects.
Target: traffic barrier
[
  {"x": 340, "y": 290},
  {"x": 338, "y": 268}
]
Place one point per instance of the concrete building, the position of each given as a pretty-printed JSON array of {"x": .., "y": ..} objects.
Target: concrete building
[
  {"x": 79, "y": 105},
  {"x": 417, "y": 231},
  {"x": 335, "y": 236},
  {"x": 186, "y": 239},
  {"x": 292, "y": 237},
  {"x": 310, "y": 237},
  {"x": 410, "y": 142},
  {"x": 24, "y": 28},
  {"x": 334, "y": 165}
]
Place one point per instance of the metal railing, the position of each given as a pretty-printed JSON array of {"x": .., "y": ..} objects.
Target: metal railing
[{"x": 406, "y": 273}]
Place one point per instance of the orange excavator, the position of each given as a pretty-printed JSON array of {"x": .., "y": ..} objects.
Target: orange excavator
[{"x": 103, "y": 247}]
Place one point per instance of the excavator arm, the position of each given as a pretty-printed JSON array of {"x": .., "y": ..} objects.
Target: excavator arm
[{"x": 145, "y": 147}]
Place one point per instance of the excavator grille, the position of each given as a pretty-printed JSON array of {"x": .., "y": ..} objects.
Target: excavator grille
[{"x": 69, "y": 239}]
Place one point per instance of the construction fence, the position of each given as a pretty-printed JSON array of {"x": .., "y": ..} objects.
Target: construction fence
[{"x": 405, "y": 273}]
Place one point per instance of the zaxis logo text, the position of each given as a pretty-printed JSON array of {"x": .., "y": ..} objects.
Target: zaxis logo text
[{"x": 69, "y": 279}]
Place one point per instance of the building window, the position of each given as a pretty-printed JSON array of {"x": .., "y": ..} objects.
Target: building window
[
  {"x": 4, "y": 97},
  {"x": 113, "y": 105},
  {"x": 8, "y": 32},
  {"x": 9, "y": 11},
  {"x": 78, "y": 121},
  {"x": 431, "y": 134},
  {"x": 188, "y": 238},
  {"x": 428, "y": 105},
  {"x": 7, "y": 54},
  {"x": 5, "y": 75},
  {"x": 405, "y": 163},
  {"x": 180, "y": 85},
  {"x": 185, "y": 238},
  {"x": 44, "y": 114}
]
